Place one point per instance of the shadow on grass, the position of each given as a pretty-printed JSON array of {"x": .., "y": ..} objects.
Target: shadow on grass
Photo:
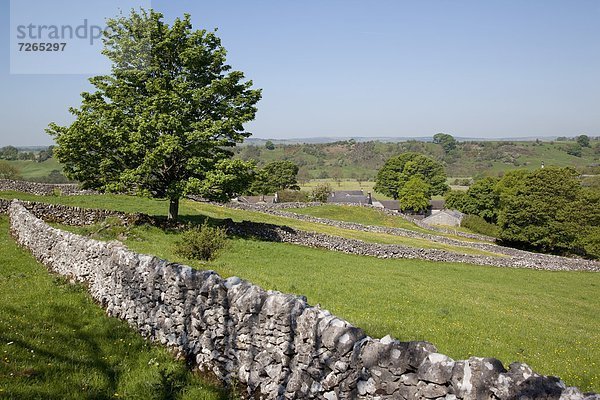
[{"x": 246, "y": 229}]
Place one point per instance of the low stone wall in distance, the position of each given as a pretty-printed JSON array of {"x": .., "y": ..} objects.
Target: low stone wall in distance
[
  {"x": 274, "y": 344},
  {"x": 515, "y": 258},
  {"x": 75, "y": 216},
  {"x": 271, "y": 208},
  {"x": 42, "y": 189}
]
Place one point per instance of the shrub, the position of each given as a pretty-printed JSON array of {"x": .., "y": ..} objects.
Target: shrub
[
  {"x": 289, "y": 196},
  {"x": 479, "y": 225},
  {"x": 321, "y": 192},
  {"x": 8, "y": 171},
  {"x": 202, "y": 242}
]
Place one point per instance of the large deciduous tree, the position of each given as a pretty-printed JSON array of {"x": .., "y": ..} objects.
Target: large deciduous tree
[
  {"x": 414, "y": 195},
  {"x": 163, "y": 122},
  {"x": 397, "y": 171},
  {"x": 540, "y": 210},
  {"x": 275, "y": 176},
  {"x": 583, "y": 140},
  {"x": 447, "y": 142}
]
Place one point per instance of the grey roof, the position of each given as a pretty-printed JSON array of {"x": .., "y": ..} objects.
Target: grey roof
[
  {"x": 390, "y": 204},
  {"x": 348, "y": 193},
  {"x": 452, "y": 213},
  {"x": 256, "y": 199},
  {"x": 348, "y": 199}
]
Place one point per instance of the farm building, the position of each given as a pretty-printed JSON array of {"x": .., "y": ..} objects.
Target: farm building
[{"x": 445, "y": 217}]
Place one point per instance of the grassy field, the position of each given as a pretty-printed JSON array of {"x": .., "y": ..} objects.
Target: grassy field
[
  {"x": 56, "y": 343},
  {"x": 547, "y": 319},
  {"x": 32, "y": 169},
  {"x": 191, "y": 210},
  {"x": 366, "y": 216},
  {"x": 344, "y": 184}
]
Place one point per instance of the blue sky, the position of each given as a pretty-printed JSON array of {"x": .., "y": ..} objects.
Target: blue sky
[{"x": 372, "y": 68}]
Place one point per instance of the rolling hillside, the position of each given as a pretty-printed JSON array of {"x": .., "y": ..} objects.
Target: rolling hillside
[{"x": 361, "y": 160}]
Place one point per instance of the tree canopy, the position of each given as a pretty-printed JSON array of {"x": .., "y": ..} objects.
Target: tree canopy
[
  {"x": 9, "y": 153},
  {"x": 163, "y": 122},
  {"x": 583, "y": 140},
  {"x": 414, "y": 195},
  {"x": 275, "y": 176},
  {"x": 398, "y": 170},
  {"x": 547, "y": 209},
  {"x": 447, "y": 142},
  {"x": 540, "y": 210},
  {"x": 269, "y": 145},
  {"x": 480, "y": 199},
  {"x": 8, "y": 171}
]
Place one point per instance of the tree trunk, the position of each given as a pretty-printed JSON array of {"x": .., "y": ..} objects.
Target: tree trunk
[{"x": 173, "y": 209}]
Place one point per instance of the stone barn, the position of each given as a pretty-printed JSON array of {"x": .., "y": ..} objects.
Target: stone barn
[{"x": 445, "y": 217}]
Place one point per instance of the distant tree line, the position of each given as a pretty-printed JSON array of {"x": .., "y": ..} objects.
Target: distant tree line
[{"x": 11, "y": 153}]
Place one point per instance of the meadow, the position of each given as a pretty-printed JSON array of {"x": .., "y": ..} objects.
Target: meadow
[
  {"x": 32, "y": 169},
  {"x": 546, "y": 319}
]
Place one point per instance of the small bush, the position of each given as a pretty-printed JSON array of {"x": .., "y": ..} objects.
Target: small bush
[
  {"x": 321, "y": 192},
  {"x": 8, "y": 171},
  {"x": 289, "y": 196},
  {"x": 479, "y": 225},
  {"x": 202, "y": 242}
]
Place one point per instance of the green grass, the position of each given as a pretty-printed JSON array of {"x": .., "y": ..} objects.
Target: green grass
[
  {"x": 191, "y": 210},
  {"x": 33, "y": 169},
  {"x": 551, "y": 322},
  {"x": 372, "y": 237},
  {"x": 367, "y": 216},
  {"x": 56, "y": 343},
  {"x": 546, "y": 319}
]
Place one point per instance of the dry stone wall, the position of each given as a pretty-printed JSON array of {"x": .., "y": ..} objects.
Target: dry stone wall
[
  {"x": 74, "y": 216},
  {"x": 275, "y": 344},
  {"x": 516, "y": 258},
  {"x": 42, "y": 189}
]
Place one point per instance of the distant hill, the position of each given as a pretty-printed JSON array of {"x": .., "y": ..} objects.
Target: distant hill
[
  {"x": 358, "y": 159},
  {"x": 361, "y": 157},
  {"x": 387, "y": 139}
]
